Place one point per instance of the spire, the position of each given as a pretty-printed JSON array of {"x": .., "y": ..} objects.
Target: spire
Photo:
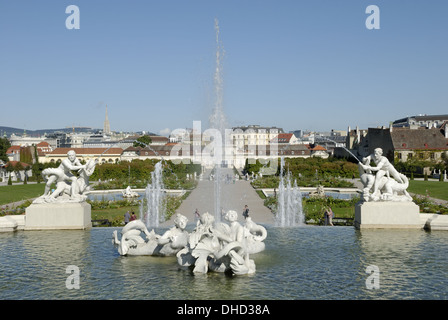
[{"x": 106, "y": 124}]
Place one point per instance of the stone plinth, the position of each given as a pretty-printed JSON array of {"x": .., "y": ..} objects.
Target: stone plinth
[
  {"x": 54, "y": 216},
  {"x": 387, "y": 214},
  {"x": 432, "y": 221},
  {"x": 11, "y": 223}
]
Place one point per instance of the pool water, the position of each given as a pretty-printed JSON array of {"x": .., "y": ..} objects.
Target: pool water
[{"x": 311, "y": 262}]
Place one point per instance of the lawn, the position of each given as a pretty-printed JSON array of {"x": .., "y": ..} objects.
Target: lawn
[
  {"x": 20, "y": 192},
  {"x": 434, "y": 189},
  {"x": 114, "y": 215}
]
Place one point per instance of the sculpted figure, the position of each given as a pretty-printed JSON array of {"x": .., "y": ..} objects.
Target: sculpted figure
[
  {"x": 133, "y": 243},
  {"x": 201, "y": 243},
  {"x": 69, "y": 188},
  {"x": 224, "y": 247},
  {"x": 128, "y": 193},
  {"x": 387, "y": 184}
]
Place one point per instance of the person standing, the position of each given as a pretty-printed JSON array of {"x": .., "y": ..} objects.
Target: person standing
[
  {"x": 127, "y": 217},
  {"x": 133, "y": 216},
  {"x": 246, "y": 212},
  {"x": 328, "y": 216}
]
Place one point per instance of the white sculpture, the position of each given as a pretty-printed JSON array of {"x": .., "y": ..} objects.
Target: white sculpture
[
  {"x": 168, "y": 244},
  {"x": 224, "y": 247},
  {"x": 319, "y": 193},
  {"x": 128, "y": 193},
  {"x": 383, "y": 186},
  {"x": 69, "y": 188}
]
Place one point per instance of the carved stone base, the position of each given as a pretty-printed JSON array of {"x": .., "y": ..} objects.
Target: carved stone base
[
  {"x": 387, "y": 214},
  {"x": 54, "y": 216}
]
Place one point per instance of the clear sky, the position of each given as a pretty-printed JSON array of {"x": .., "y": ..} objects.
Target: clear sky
[{"x": 294, "y": 64}]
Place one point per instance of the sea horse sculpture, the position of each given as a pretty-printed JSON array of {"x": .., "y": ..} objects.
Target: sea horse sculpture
[{"x": 168, "y": 244}]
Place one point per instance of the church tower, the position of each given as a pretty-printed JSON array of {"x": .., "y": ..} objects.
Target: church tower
[{"x": 106, "y": 124}]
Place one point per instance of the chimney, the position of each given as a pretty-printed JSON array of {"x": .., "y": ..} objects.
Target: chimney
[{"x": 390, "y": 127}]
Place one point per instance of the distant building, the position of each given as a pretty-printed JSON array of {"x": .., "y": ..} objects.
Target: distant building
[
  {"x": 253, "y": 135},
  {"x": 318, "y": 151},
  {"x": 13, "y": 152},
  {"x": 285, "y": 138},
  {"x": 43, "y": 148},
  {"x": 25, "y": 140},
  {"x": 109, "y": 155},
  {"x": 427, "y": 121},
  {"x": 406, "y": 143}
]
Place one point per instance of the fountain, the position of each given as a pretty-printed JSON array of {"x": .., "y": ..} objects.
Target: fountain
[
  {"x": 154, "y": 213},
  {"x": 289, "y": 201},
  {"x": 36, "y": 263},
  {"x": 218, "y": 123}
]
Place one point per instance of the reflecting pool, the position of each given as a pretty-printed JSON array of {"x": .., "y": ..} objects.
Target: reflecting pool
[{"x": 299, "y": 263}]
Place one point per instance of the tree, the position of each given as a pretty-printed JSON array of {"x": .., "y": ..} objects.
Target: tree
[
  {"x": 4, "y": 146},
  {"x": 26, "y": 155},
  {"x": 142, "y": 141},
  {"x": 9, "y": 169},
  {"x": 17, "y": 168},
  {"x": 37, "y": 169}
]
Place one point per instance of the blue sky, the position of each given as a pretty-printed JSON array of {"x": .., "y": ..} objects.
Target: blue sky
[{"x": 310, "y": 65}]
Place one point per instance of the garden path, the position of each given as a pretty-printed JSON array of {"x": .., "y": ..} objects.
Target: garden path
[{"x": 234, "y": 195}]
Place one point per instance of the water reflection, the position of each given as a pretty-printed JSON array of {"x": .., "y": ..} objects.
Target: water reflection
[{"x": 298, "y": 263}]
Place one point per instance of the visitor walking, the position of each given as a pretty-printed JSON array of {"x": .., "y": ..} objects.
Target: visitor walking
[
  {"x": 127, "y": 217},
  {"x": 133, "y": 216},
  {"x": 246, "y": 212}
]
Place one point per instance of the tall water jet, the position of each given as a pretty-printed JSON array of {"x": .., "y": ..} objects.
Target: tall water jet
[
  {"x": 289, "y": 201},
  {"x": 218, "y": 123},
  {"x": 154, "y": 211}
]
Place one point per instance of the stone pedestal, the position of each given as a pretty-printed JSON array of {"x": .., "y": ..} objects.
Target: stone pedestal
[
  {"x": 387, "y": 214},
  {"x": 56, "y": 216}
]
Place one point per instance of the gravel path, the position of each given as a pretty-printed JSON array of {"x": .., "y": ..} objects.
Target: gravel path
[{"x": 233, "y": 197}]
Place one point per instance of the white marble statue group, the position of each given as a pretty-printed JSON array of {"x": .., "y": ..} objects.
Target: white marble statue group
[
  {"x": 68, "y": 187},
  {"x": 219, "y": 247},
  {"x": 387, "y": 184},
  {"x": 128, "y": 193}
]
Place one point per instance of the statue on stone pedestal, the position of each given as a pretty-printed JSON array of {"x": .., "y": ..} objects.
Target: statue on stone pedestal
[
  {"x": 69, "y": 188},
  {"x": 387, "y": 184}
]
